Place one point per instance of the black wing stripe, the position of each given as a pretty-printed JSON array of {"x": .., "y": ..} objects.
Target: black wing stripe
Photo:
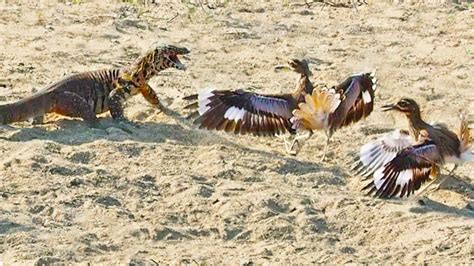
[
  {"x": 269, "y": 105},
  {"x": 405, "y": 173},
  {"x": 211, "y": 115},
  {"x": 404, "y": 190},
  {"x": 395, "y": 191},
  {"x": 354, "y": 107},
  {"x": 223, "y": 124},
  {"x": 223, "y": 111}
]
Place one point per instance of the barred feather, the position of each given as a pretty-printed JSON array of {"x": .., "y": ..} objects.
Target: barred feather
[
  {"x": 463, "y": 133},
  {"x": 464, "y": 136},
  {"x": 313, "y": 114}
]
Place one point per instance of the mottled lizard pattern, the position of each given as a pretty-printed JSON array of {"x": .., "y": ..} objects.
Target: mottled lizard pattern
[{"x": 87, "y": 94}]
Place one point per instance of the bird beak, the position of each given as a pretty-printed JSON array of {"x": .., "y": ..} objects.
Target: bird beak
[
  {"x": 388, "y": 107},
  {"x": 285, "y": 67}
]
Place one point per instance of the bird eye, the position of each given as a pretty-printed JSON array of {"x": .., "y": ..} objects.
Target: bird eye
[{"x": 402, "y": 104}]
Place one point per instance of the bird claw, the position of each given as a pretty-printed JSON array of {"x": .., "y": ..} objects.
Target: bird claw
[
  {"x": 289, "y": 144},
  {"x": 296, "y": 141},
  {"x": 322, "y": 158},
  {"x": 290, "y": 150},
  {"x": 450, "y": 173}
]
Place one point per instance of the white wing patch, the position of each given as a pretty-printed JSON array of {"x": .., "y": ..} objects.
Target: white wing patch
[
  {"x": 378, "y": 175},
  {"x": 203, "y": 100},
  {"x": 234, "y": 113},
  {"x": 404, "y": 177},
  {"x": 366, "y": 97},
  {"x": 374, "y": 155},
  {"x": 374, "y": 80}
]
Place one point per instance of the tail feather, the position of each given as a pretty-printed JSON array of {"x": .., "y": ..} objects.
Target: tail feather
[
  {"x": 314, "y": 112},
  {"x": 464, "y": 134}
]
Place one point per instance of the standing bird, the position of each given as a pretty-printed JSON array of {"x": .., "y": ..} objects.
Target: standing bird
[
  {"x": 401, "y": 161},
  {"x": 245, "y": 112},
  {"x": 337, "y": 107}
]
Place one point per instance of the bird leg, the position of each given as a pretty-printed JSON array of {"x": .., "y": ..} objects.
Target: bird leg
[
  {"x": 328, "y": 137},
  {"x": 450, "y": 173},
  {"x": 288, "y": 143},
  {"x": 429, "y": 185},
  {"x": 298, "y": 141},
  {"x": 438, "y": 186}
]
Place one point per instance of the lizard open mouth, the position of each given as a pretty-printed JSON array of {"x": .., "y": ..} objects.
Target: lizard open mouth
[{"x": 175, "y": 61}]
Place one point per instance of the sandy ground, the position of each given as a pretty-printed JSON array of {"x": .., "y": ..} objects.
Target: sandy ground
[{"x": 172, "y": 193}]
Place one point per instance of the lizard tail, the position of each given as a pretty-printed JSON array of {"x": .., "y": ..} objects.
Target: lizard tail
[{"x": 33, "y": 106}]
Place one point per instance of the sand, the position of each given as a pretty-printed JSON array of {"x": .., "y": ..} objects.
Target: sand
[{"x": 170, "y": 193}]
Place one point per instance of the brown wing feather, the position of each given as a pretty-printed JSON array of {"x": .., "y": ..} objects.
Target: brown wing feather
[
  {"x": 357, "y": 94},
  {"x": 405, "y": 173},
  {"x": 244, "y": 112}
]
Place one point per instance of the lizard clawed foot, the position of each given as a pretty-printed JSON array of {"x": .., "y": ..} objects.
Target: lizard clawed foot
[
  {"x": 39, "y": 120},
  {"x": 160, "y": 107},
  {"x": 123, "y": 125}
]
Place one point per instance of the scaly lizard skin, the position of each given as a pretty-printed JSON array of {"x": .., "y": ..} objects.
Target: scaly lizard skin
[{"x": 87, "y": 94}]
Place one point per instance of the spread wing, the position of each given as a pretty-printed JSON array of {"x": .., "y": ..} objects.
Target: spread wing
[
  {"x": 244, "y": 112},
  {"x": 357, "y": 94},
  {"x": 376, "y": 154},
  {"x": 407, "y": 171}
]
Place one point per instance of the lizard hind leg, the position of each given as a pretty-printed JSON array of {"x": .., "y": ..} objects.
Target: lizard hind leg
[{"x": 73, "y": 105}]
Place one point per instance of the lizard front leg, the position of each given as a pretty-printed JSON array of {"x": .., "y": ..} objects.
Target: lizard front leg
[
  {"x": 150, "y": 96},
  {"x": 117, "y": 97},
  {"x": 124, "y": 87},
  {"x": 116, "y": 100}
]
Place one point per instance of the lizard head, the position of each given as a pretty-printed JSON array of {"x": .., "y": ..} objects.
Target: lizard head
[
  {"x": 166, "y": 56},
  {"x": 406, "y": 105},
  {"x": 296, "y": 65}
]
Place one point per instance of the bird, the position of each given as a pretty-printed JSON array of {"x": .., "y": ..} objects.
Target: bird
[
  {"x": 244, "y": 112},
  {"x": 400, "y": 161},
  {"x": 330, "y": 109}
]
